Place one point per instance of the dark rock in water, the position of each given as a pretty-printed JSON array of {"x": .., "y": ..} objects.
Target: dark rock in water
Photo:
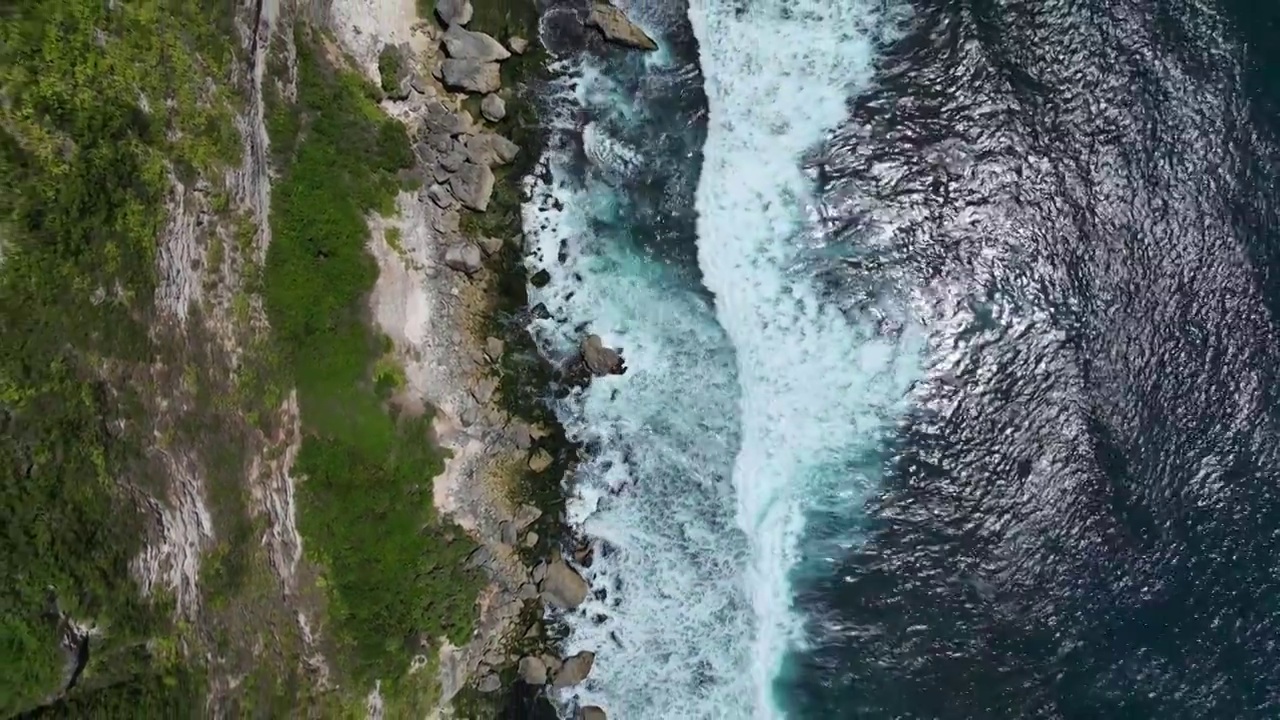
[
  {"x": 601, "y": 360},
  {"x": 533, "y": 671},
  {"x": 584, "y": 556},
  {"x": 618, "y": 28},
  {"x": 473, "y": 186},
  {"x": 574, "y": 670},
  {"x": 563, "y": 586},
  {"x": 591, "y": 712},
  {"x": 540, "y": 279},
  {"x": 471, "y": 75},
  {"x": 540, "y": 312},
  {"x": 465, "y": 44},
  {"x": 454, "y": 12},
  {"x": 493, "y": 108}
]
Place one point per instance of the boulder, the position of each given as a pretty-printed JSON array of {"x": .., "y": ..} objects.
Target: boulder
[
  {"x": 618, "y": 28},
  {"x": 563, "y": 586},
  {"x": 489, "y": 684},
  {"x": 471, "y": 75},
  {"x": 592, "y": 712},
  {"x": 508, "y": 532},
  {"x": 601, "y": 360},
  {"x": 526, "y": 515},
  {"x": 490, "y": 149},
  {"x": 533, "y": 671},
  {"x": 490, "y": 245},
  {"x": 521, "y": 434},
  {"x": 493, "y": 348},
  {"x": 493, "y": 108},
  {"x": 574, "y": 670},
  {"x": 463, "y": 258},
  {"x": 517, "y": 44},
  {"x": 528, "y": 591},
  {"x": 473, "y": 186},
  {"x": 483, "y": 392},
  {"x": 453, "y": 160},
  {"x": 540, "y": 460},
  {"x": 552, "y": 662},
  {"x": 454, "y": 12},
  {"x": 465, "y": 44},
  {"x": 440, "y": 197},
  {"x": 531, "y": 540}
]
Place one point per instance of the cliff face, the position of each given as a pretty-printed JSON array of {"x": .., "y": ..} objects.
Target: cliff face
[{"x": 262, "y": 441}]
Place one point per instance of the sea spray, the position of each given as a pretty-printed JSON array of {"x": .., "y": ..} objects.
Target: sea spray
[
  {"x": 816, "y": 385},
  {"x": 610, "y": 220}
]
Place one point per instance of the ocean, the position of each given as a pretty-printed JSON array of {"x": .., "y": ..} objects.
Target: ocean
[{"x": 951, "y": 385}]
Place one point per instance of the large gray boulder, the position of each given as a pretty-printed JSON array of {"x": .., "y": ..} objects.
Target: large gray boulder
[
  {"x": 493, "y": 108},
  {"x": 533, "y": 671},
  {"x": 490, "y": 149},
  {"x": 574, "y": 670},
  {"x": 618, "y": 28},
  {"x": 466, "y": 44},
  {"x": 563, "y": 586},
  {"x": 454, "y": 12},
  {"x": 464, "y": 258},
  {"x": 471, "y": 75},
  {"x": 601, "y": 360},
  {"x": 473, "y": 186},
  {"x": 592, "y": 712}
]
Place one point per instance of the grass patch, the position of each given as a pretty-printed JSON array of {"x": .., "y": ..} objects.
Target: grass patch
[{"x": 394, "y": 571}]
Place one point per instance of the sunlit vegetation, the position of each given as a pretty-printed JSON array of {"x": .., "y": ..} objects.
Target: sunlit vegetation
[{"x": 395, "y": 573}]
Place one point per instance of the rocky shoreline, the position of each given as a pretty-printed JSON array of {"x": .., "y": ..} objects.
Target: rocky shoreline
[{"x": 452, "y": 300}]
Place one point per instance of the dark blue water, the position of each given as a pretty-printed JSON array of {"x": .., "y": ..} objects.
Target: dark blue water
[{"x": 1081, "y": 518}]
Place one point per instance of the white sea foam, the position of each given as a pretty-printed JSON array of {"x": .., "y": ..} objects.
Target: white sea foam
[
  {"x": 816, "y": 386},
  {"x": 731, "y": 420}
]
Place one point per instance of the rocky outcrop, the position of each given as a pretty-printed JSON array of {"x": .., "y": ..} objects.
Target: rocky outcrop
[
  {"x": 601, "y": 360},
  {"x": 533, "y": 671},
  {"x": 466, "y": 44},
  {"x": 472, "y": 184},
  {"x": 563, "y": 586},
  {"x": 486, "y": 148},
  {"x": 454, "y": 12},
  {"x": 493, "y": 108},
  {"x": 471, "y": 75},
  {"x": 574, "y": 670},
  {"x": 592, "y": 712},
  {"x": 618, "y": 28}
]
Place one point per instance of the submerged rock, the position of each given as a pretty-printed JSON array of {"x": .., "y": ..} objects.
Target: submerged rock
[
  {"x": 493, "y": 108},
  {"x": 471, "y": 45},
  {"x": 533, "y": 671},
  {"x": 563, "y": 586},
  {"x": 592, "y": 712},
  {"x": 454, "y": 12},
  {"x": 618, "y": 28},
  {"x": 601, "y": 360},
  {"x": 473, "y": 186},
  {"x": 471, "y": 75},
  {"x": 575, "y": 669}
]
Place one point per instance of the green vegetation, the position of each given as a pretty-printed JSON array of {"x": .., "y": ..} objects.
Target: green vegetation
[
  {"x": 101, "y": 101},
  {"x": 390, "y": 68},
  {"x": 394, "y": 571}
]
